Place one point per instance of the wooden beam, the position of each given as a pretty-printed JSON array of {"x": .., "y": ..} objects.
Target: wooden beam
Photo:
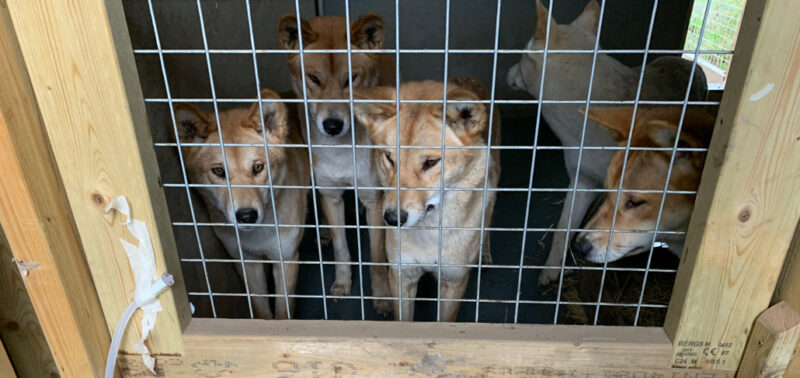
[
  {"x": 6, "y": 369},
  {"x": 789, "y": 289},
  {"x": 38, "y": 225},
  {"x": 80, "y": 61},
  {"x": 19, "y": 327},
  {"x": 748, "y": 203},
  {"x": 772, "y": 342},
  {"x": 294, "y": 348}
]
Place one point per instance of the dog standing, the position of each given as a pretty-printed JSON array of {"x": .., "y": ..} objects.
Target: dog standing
[
  {"x": 567, "y": 78},
  {"x": 646, "y": 170},
  {"x": 327, "y": 77},
  {"x": 251, "y": 205},
  {"x": 421, "y": 124}
]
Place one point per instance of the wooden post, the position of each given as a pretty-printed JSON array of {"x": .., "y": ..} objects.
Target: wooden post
[
  {"x": 748, "y": 203},
  {"x": 80, "y": 61},
  {"x": 772, "y": 342},
  {"x": 6, "y": 369},
  {"x": 789, "y": 289},
  {"x": 19, "y": 327},
  {"x": 38, "y": 225}
]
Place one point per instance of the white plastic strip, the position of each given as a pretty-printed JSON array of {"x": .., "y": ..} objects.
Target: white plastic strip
[{"x": 143, "y": 264}]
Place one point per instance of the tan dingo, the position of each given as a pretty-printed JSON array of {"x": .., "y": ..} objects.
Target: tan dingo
[
  {"x": 567, "y": 78},
  {"x": 327, "y": 77},
  {"x": 467, "y": 124},
  {"x": 252, "y": 205},
  {"x": 646, "y": 170}
]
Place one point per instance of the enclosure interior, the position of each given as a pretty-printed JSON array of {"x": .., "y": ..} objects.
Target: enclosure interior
[{"x": 183, "y": 56}]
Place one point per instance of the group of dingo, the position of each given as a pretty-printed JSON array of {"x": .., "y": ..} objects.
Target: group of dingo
[{"x": 439, "y": 230}]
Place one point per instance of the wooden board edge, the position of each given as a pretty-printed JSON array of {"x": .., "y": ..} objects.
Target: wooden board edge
[{"x": 238, "y": 347}]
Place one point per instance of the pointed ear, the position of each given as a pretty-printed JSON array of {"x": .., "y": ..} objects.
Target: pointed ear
[
  {"x": 662, "y": 126},
  {"x": 472, "y": 84},
  {"x": 541, "y": 21},
  {"x": 617, "y": 119},
  {"x": 371, "y": 115},
  {"x": 663, "y": 133},
  {"x": 368, "y": 32},
  {"x": 465, "y": 119},
  {"x": 287, "y": 32},
  {"x": 275, "y": 117},
  {"x": 194, "y": 125},
  {"x": 589, "y": 18}
]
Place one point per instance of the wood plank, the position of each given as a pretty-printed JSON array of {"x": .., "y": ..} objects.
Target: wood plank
[
  {"x": 38, "y": 225},
  {"x": 772, "y": 342},
  {"x": 19, "y": 327},
  {"x": 6, "y": 369},
  {"x": 748, "y": 203},
  {"x": 221, "y": 347},
  {"x": 80, "y": 61},
  {"x": 789, "y": 289}
]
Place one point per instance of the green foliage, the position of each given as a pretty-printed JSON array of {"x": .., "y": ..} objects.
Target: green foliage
[{"x": 721, "y": 29}]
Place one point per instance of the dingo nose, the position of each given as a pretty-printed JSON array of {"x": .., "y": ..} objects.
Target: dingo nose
[
  {"x": 333, "y": 126},
  {"x": 390, "y": 216},
  {"x": 247, "y": 215},
  {"x": 581, "y": 246}
]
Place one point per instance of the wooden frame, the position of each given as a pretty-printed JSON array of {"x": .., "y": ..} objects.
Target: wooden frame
[{"x": 82, "y": 109}]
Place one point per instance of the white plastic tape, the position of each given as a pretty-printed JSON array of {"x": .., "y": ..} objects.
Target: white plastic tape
[{"x": 143, "y": 263}]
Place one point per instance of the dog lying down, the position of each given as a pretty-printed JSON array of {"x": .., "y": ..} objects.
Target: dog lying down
[
  {"x": 646, "y": 170},
  {"x": 567, "y": 78}
]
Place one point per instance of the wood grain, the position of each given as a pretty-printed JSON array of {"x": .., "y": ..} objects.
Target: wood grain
[
  {"x": 220, "y": 347},
  {"x": 19, "y": 327},
  {"x": 772, "y": 342},
  {"x": 82, "y": 70},
  {"x": 748, "y": 203},
  {"x": 6, "y": 369},
  {"x": 789, "y": 290},
  {"x": 38, "y": 225}
]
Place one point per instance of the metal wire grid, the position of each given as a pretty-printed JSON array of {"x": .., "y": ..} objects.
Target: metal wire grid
[{"x": 214, "y": 100}]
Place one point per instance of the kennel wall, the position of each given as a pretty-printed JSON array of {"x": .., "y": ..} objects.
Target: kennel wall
[{"x": 75, "y": 135}]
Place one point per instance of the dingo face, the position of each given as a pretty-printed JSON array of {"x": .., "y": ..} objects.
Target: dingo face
[
  {"x": 581, "y": 34},
  {"x": 245, "y": 165},
  {"x": 646, "y": 170},
  {"x": 421, "y": 124},
  {"x": 326, "y": 73}
]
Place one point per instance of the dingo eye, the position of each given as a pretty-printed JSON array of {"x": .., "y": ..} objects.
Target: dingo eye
[
  {"x": 314, "y": 79},
  {"x": 633, "y": 203},
  {"x": 388, "y": 159},
  {"x": 430, "y": 163},
  {"x": 347, "y": 82},
  {"x": 258, "y": 167},
  {"x": 219, "y": 171}
]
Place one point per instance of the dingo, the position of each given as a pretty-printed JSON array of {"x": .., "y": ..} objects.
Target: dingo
[
  {"x": 567, "y": 78},
  {"x": 421, "y": 124},
  {"x": 252, "y": 205},
  {"x": 327, "y": 77},
  {"x": 646, "y": 170}
]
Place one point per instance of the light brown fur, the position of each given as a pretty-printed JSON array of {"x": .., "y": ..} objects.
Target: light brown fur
[
  {"x": 327, "y": 78},
  {"x": 421, "y": 124},
  {"x": 248, "y": 166},
  {"x": 330, "y": 69},
  {"x": 646, "y": 170}
]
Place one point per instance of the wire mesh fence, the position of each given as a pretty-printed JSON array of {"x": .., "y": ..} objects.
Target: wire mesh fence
[{"x": 504, "y": 289}]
